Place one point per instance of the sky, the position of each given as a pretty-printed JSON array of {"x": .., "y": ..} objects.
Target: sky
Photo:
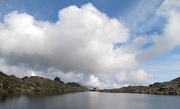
[{"x": 105, "y": 44}]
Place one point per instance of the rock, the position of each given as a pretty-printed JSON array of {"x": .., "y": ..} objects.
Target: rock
[
  {"x": 166, "y": 88},
  {"x": 1, "y": 85},
  {"x": 2, "y": 92},
  {"x": 58, "y": 80},
  {"x": 24, "y": 78},
  {"x": 34, "y": 84},
  {"x": 73, "y": 84},
  {"x": 95, "y": 89}
]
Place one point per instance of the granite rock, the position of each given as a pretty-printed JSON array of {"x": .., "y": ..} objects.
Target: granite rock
[
  {"x": 34, "y": 84},
  {"x": 165, "y": 88}
]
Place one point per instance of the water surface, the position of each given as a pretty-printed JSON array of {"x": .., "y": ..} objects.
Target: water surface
[{"x": 91, "y": 100}]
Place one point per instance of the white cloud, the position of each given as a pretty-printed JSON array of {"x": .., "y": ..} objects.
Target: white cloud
[
  {"x": 13, "y": 70},
  {"x": 171, "y": 11},
  {"x": 139, "y": 77},
  {"x": 170, "y": 33},
  {"x": 141, "y": 18},
  {"x": 121, "y": 77},
  {"x": 79, "y": 46},
  {"x": 81, "y": 40},
  {"x": 33, "y": 74},
  {"x": 134, "y": 77},
  {"x": 93, "y": 81}
]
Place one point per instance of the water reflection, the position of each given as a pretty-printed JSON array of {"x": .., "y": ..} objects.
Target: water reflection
[
  {"x": 3, "y": 98},
  {"x": 90, "y": 100}
]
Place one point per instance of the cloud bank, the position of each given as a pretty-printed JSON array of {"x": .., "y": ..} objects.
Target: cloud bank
[{"x": 81, "y": 46}]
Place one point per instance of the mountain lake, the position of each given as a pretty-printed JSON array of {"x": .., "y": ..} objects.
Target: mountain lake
[{"x": 90, "y": 100}]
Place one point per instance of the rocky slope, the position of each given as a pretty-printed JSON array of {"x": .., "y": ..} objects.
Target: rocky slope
[
  {"x": 13, "y": 85},
  {"x": 165, "y": 88},
  {"x": 73, "y": 84}
]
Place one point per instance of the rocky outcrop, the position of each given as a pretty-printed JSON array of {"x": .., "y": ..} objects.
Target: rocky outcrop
[
  {"x": 58, "y": 80},
  {"x": 34, "y": 84},
  {"x": 95, "y": 89},
  {"x": 3, "y": 81},
  {"x": 73, "y": 84},
  {"x": 24, "y": 78},
  {"x": 165, "y": 88}
]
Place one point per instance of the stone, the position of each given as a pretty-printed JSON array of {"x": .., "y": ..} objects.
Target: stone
[
  {"x": 58, "y": 80},
  {"x": 95, "y": 89},
  {"x": 12, "y": 84},
  {"x": 73, "y": 84},
  {"x": 2, "y": 92},
  {"x": 1, "y": 85},
  {"x": 165, "y": 88},
  {"x": 24, "y": 78}
]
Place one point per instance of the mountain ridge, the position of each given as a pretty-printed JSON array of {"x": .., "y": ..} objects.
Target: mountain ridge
[
  {"x": 161, "y": 88},
  {"x": 10, "y": 84}
]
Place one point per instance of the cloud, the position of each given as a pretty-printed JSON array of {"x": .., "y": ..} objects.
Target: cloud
[
  {"x": 80, "y": 46},
  {"x": 93, "y": 81},
  {"x": 169, "y": 38},
  {"x": 171, "y": 11},
  {"x": 15, "y": 70},
  {"x": 141, "y": 19},
  {"x": 80, "y": 42},
  {"x": 139, "y": 77},
  {"x": 134, "y": 77}
]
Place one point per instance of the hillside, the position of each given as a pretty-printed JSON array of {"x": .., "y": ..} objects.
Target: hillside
[
  {"x": 165, "y": 88},
  {"x": 10, "y": 84}
]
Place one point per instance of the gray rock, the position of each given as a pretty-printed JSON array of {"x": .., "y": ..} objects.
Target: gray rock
[
  {"x": 73, "y": 84},
  {"x": 1, "y": 85},
  {"x": 34, "y": 84},
  {"x": 58, "y": 80},
  {"x": 166, "y": 88}
]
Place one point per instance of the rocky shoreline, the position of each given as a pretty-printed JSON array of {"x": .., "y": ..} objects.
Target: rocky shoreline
[
  {"x": 165, "y": 88},
  {"x": 10, "y": 84}
]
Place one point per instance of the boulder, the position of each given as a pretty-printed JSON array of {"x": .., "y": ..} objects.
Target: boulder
[{"x": 95, "y": 89}]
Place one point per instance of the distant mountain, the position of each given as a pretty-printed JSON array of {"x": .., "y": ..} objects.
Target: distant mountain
[
  {"x": 73, "y": 84},
  {"x": 24, "y": 78},
  {"x": 58, "y": 80},
  {"x": 10, "y": 84},
  {"x": 165, "y": 88}
]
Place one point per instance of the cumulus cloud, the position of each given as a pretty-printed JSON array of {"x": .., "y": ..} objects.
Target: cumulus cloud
[
  {"x": 134, "y": 77},
  {"x": 80, "y": 46},
  {"x": 81, "y": 41},
  {"x": 169, "y": 38},
  {"x": 139, "y": 77},
  {"x": 93, "y": 81}
]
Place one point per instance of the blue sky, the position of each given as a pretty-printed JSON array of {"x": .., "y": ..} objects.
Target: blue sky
[
  {"x": 52, "y": 7},
  {"x": 127, "y": 10},
  {"x": 96, "y": 43}
]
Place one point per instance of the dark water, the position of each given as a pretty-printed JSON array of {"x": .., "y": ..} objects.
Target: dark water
[{"x": 91, "y": 100}]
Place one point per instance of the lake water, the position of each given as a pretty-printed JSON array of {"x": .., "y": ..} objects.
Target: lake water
[{"x": 91, "y": 100}]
